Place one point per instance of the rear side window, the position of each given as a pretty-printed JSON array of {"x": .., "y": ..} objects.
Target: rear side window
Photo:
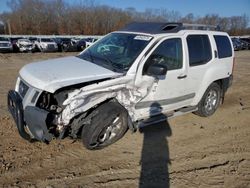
[
  {"x": 223, "y": 46},
  {"x": 199, "y": 49}
]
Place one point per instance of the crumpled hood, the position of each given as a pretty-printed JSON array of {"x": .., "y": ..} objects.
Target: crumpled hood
[{"x": 54, "y": 74}]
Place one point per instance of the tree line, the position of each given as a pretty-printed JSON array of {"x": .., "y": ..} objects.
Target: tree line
[{"x": 41, "y": 17}]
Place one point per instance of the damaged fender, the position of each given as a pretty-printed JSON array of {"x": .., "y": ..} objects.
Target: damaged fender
[{"x": 122, "y": 89}]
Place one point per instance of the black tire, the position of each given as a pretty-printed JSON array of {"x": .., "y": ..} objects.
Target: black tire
[
  {"x": 108, "y": 125},
  {"x": 210, "y": 101}
]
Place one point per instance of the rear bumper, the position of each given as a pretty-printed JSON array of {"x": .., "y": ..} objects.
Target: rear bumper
[
  {"x": 227, "y": 83},
  {"x": 31, "y": 118}
]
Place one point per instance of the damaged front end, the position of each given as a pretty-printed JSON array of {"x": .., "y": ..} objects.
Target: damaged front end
[
  {"x": 63, "y": 113},
  {"x": 71, "y": 89},
  {"x": 31, "y": 121},
  {"x": 35, "y": 112},
  {"x": 82, "y": 101}
]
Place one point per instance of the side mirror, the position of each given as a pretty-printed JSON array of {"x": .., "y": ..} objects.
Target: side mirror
[{"x": 157, "y": 70}]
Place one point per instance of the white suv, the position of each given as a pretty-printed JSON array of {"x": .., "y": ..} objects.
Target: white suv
[
  {"x": 142, "y": 74},
  {"x": 46, "y": 45}
]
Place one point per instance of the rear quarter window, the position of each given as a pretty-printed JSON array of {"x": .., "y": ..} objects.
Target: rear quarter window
[
  {"x": 223, "y": 46},
  {"x": 199, "y": 49}
]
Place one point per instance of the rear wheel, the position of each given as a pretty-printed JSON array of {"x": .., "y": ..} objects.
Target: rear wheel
[
  {"x": 210, "y": 101},
  {"x": 108, "y": 125}
]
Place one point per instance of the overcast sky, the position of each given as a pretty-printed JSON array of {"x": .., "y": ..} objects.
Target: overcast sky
[{"x": 197, "y": 7}]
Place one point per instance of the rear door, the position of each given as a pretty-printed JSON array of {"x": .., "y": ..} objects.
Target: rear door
[{"x": 201, "y": 60}]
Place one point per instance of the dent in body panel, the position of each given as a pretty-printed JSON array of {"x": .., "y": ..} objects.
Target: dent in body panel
[{"x": 122, "y": 89}]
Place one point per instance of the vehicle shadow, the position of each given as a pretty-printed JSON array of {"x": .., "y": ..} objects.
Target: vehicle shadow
[{"x": 155, "y": 154}]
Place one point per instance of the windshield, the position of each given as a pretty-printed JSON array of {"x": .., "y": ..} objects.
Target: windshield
[
  {"x": 116, "y": 51},
  {"x": 47, "y": 40}
]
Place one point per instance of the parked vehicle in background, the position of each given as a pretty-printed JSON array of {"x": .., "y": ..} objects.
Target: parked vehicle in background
[
  {"x": 69, "y": 45},
  {"x": 5, "y": 45},
  {"x": 25, "y": 45},
  {"x": 33, "y": 39},
  {"x": 245, "y": 43},
  {"x": 58, "y": 42},
  {"x": 81, "y": 44},
  {"x": 245, "y": 39},
  {"x": 13, "y": 42},
  {"x": 236, "y": 44},
  {"x": 46, "y": 45},
  {"x": 85, "y": 42},
  {"x": 65, "y": 44},
  {"x": 90, "y": 41}
]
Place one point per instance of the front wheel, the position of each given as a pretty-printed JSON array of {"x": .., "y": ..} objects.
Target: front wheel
[
  {"x": 108, "y": 125},
  {"x": 210, "y": 101}
]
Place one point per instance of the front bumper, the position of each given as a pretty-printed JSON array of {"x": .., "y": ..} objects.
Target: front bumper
[
  {"x": 6, "y": 49},
  {"x": 49, "y": 49},
  {"x": 31, "y": 121},
  {"x": 26, "y": 49}
]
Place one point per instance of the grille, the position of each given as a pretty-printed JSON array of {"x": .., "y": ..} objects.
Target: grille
[
  {"x": 51, "y": 46},
  {"x": 3, "y": 45}
]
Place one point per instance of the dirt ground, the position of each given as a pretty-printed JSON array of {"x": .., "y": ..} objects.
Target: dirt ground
[{"x": 188, "y": 151}]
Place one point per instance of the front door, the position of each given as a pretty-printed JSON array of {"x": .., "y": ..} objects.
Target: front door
[{"x": 168, "y": 92}]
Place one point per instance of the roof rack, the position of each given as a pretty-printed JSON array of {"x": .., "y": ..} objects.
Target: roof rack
[
  {"x": 159, "y": 27},
  {"x": 201, "y": 27}
]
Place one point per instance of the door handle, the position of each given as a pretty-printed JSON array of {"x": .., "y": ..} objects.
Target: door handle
[{"x": 182, "y": 77}]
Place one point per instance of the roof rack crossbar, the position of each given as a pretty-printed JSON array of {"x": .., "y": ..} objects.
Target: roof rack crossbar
[{"x": 200, "y": 26}]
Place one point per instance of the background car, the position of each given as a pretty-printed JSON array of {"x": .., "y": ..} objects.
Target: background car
[
  {"x": 236, "y": 44},
  {"x": 33, "y": 39},
  {"x": 25, "y": 45},
  {"x": 90, "y": 41},
  {"x": 13, "y": 42},
  {"x": 5, "y": 45},
  {"x": 46, "y": 45},
  {"x": 68, "y": 45},
  {"x": 81, "y": 44},
  {"x": 245, "y": 39},
  {"x": 241, "y": 44},
  {"x": 245, "y": 43}
]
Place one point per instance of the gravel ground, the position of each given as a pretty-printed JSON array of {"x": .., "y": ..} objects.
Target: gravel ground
[{"x": 187, "y": 151}]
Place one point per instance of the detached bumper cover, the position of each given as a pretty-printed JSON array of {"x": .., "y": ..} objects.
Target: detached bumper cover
[{"x": 32, "y": 117}]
